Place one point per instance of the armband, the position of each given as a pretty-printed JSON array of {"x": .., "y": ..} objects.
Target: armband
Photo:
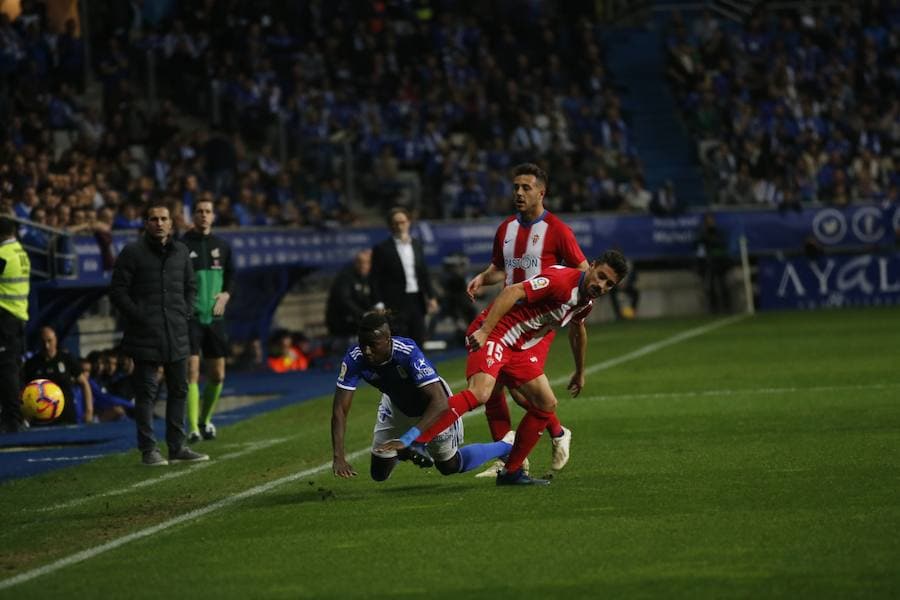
[{"x": 410, "y": 436}]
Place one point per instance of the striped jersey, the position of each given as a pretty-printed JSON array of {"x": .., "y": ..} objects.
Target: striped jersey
[
  {"x": 524, "y": 249},
  {"x": 401, "y": 377},
  {"x": 552, "y": 300}
]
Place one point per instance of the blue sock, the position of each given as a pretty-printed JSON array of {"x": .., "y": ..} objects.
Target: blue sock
[{"x": 475, "y": 455}]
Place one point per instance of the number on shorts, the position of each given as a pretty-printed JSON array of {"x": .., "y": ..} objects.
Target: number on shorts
[{"x": 494, "y": 350}]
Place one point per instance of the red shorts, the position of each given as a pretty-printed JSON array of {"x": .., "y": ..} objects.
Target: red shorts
[{"x": 511, "y": 368}]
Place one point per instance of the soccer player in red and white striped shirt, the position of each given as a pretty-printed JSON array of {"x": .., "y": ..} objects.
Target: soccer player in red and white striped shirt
[
  {"x": 505, "y": 342},
  {"x": 525, "y": 244}
]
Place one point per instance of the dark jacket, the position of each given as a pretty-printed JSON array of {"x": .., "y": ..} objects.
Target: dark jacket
[
  {"x": 389, "y": 279},
  {"x": 153, "y": 287},
  {"x": 349, "y": 298}
]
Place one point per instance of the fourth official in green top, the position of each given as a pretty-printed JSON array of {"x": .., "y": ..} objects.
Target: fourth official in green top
[{"x": 211, "y": 257}]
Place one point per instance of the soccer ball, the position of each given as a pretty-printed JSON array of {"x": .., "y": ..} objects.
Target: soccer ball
[{"x": 42, "y": 401}]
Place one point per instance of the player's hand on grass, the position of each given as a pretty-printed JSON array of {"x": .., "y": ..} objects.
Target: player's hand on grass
[
  {"x": 576, "y": 383},
  {"x": 391, "y": 445},
  {"x": 342, "y": 468}
]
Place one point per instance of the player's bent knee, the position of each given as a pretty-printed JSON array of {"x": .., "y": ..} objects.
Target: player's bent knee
[
  {"x": 448, "y": 467},
  {"x": 381, "y": 468}
]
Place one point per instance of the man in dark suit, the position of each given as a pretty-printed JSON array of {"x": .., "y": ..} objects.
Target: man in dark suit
[{"x": 400, "y": 279}]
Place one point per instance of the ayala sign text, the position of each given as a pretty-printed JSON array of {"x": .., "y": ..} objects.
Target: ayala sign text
[{"x": 866, "y": 280}]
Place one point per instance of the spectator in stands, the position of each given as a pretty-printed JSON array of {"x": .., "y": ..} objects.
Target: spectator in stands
[
  {"x": 121, "y": 380},
  {"x": 636, "y": 197},
  {"x": 285, "y": 355},
  {"x": 400, "y": 279},
  {"x": 214, "y": 270},
  {"x": 107, "y": 406},
  {"x": 128, "y": 217},
  {"x": 15, "y": 268},
  {"x": 153, "y": 287},
  {"x": 350, "y": 297},
  {"x": 665, "y": 203},
  {"x": 713, "y": 263},
  {"x": 53, "y": 363},
  {"x": 628, "y": 287},
  {"x": 814, "y": 101}
]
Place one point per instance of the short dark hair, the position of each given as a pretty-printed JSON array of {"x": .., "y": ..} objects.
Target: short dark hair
[
  {"x": 156, "y": 204},
  {"x": 531, "y": 169},
  {"x": 8, "y": 227},
  {"x": 616, "y": 260},
  {"x": 201, "y": 200},
  {"x": 373, "y": 321},
  {"x": 394, "y": 211}
]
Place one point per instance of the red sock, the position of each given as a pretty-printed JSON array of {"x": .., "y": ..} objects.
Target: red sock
[
  {"x": 554, "y": 427},
  {"x": 497, "y": 412},
  {"x": 527, "y": 435},
  {"x": 459, "y": 404}
]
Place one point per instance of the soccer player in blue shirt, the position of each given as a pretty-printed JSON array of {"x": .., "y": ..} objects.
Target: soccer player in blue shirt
[{"x": 410, "y": 387}]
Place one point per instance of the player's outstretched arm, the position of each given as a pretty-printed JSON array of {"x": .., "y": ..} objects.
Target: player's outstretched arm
[
  {"x": 578, "y": 344},
  {"x": 501, "y": 305},
  {"x": 437, "y": 405},
  {"x": 340, "y": 409},
  {"x": 490, "y": 276}
]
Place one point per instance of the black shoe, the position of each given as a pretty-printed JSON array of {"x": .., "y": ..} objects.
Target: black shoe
[
  {"x": 518, "y": 477},
  {"x": 418, "y": 455}
]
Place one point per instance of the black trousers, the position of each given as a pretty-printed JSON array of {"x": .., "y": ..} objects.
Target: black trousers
[
  {"x": 12, "y": 345},
  {"x": 408, "y": 317},
  {"x": 146, "y": 383}
]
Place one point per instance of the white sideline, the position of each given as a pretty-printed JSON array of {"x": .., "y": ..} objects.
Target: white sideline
[
  {"x": 252, "y": 447},
  {"x": 746, "y": 391},
  {"x": 263, "y": 488},
  {"x": 649, "y": 348},
  {"x": 189, "y": 516}
]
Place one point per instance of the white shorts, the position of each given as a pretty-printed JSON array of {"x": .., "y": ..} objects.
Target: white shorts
[{"x": 391, "y": 423}]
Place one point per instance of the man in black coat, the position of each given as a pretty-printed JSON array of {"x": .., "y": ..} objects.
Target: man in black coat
[
  {"x": 400, "y": 279},
  {"x": 350, "y": 296},
  {"x": 153, "y": 287}
]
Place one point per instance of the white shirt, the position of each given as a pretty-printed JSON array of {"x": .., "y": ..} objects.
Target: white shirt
[{"x": 408, "y": 258}]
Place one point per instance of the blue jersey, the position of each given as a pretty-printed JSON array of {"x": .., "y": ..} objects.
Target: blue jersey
[{"x": 401, "y": 377}]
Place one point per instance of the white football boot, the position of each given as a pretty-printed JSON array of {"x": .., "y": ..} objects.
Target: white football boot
[
  {"x": 498, "y": 465},
  {"x": 560, "y": 447}
]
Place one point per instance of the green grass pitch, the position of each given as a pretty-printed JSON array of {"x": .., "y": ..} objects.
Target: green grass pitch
[{"x": 758, "y": 458}]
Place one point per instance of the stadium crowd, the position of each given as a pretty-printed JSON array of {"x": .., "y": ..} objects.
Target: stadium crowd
[
  {"x": 793, "y": 108},
  {"x": 425, "y": 103}
]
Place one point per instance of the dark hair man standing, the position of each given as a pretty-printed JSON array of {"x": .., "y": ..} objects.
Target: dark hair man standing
[{"x": 153, "y": 287}]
